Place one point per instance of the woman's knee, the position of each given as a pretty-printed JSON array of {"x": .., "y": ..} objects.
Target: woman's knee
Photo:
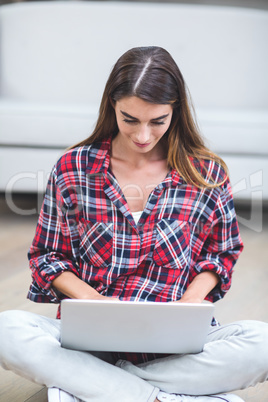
[
  {"x": 18, "y": 320},
  {"x": 12, "y": 321},
  {"x": 9, "y": 322},
  {"x": 23, "y": 334},
  {"x": 19, "y": 329},
  {"x": 261, "y": 329},
  {"x": 256, "y": 333},
  {"x": 258, "y": 330}
]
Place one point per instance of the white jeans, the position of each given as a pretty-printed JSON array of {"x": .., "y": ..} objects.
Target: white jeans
[{"x": 235, "y": 357}]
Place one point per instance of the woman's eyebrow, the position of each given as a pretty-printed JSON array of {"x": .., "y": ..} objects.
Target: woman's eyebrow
[
  {"x": 128, "y": 115},
  {"x": 160, "y": 117},
  {"x": 135, "y": 118}
]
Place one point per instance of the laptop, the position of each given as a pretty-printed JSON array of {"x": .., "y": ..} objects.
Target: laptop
[{"x": 125, "y": 326}]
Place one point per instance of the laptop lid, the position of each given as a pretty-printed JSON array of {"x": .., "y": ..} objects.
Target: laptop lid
[{"x": 146, "y": 327}]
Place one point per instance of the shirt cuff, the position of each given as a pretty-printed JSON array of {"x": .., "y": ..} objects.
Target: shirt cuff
[
  {"x": 44, "y": 271},
  {"x": 219, "y": 291}
]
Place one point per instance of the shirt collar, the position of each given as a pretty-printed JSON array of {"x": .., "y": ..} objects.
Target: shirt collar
[
  {"x": 99, "y": 157},
  {"x": 173, "y": 179}
]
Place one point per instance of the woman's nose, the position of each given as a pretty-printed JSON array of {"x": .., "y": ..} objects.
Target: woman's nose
[{"x": 143, "y": 134}]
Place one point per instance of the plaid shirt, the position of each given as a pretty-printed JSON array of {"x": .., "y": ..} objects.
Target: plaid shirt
[{"x": 85, "y": 226}]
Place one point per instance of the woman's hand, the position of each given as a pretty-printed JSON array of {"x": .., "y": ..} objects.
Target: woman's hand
[
  {"x": 101, "y": 297},
  {"x": 200, "y": 287},
  {"x": 70, "y": 285},
  {"x": 190, "y": 299}
]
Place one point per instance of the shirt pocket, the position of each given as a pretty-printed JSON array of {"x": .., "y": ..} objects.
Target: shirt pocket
[
  {"x": 172, "y": 246},
  {"x": 96, "y": 243}
]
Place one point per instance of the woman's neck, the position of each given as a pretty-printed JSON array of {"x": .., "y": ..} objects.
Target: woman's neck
[{"x": 138, "y": 160}]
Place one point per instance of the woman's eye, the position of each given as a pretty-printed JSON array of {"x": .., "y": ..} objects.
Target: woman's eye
[
  {"x": 158, "y": 123},
  {"x": 130, "y": 121},
  {"x": 154, "y": 123}
]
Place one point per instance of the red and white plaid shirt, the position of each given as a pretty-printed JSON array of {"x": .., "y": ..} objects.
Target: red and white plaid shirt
[{"x": 85, "y": 226}]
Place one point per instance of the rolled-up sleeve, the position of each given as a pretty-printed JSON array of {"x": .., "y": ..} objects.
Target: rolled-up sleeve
[
  {"x": 51, "y": 251},
  {"x": 222, "y": 246}
]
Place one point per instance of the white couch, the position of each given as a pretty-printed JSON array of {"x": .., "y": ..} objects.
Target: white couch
[{"x": 55, "y": 58}]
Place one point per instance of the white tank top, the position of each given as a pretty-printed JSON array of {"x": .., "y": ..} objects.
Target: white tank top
[{"x": 136, "y": 216}]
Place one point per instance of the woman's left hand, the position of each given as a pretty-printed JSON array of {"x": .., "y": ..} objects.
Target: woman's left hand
[
  {"x": 199, "y": 288},
  {"x": 190, "y": 299}
]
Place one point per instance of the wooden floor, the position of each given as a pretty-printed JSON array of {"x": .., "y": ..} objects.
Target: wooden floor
[{"x": 248, "y": 298}]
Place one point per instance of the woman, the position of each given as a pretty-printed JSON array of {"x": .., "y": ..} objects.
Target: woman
[{"x": 140, "y": 210}]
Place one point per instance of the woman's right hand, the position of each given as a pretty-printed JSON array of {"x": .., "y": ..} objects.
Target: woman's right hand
[
  {"x": 101, "y": 297},
  {"x": 70, "y": 285}
]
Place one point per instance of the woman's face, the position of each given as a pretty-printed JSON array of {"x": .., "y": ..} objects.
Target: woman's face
[{"x": 141, "y": 124}]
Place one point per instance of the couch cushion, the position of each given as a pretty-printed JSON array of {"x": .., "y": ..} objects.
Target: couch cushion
[
  {"x": 235, "y": 132},
  {"x": 45, "y": 124},
  {"x": 26, "y": 170}
]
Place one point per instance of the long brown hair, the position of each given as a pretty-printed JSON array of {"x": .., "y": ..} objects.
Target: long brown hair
[{"x": 151, "y": 74}]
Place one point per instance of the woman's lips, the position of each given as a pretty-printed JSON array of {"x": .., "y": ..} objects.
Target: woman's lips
[{"x": 141, "y": 145}]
